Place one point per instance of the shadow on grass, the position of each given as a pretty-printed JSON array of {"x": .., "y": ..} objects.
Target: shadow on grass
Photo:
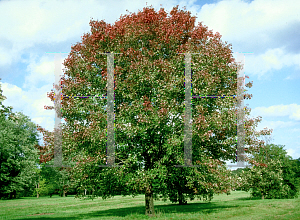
[
  {"x": 205, "y": 208},
  {"x": 249, "y": 198}
]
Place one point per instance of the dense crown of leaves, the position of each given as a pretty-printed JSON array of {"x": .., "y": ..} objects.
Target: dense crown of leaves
[{"x": 149, "y": 106}]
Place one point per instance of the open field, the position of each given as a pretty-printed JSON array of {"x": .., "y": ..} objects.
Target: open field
[{"x": 234, "y": 206}]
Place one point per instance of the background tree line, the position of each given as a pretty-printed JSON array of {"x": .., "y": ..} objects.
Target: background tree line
[{"x": 22, "y": 169}]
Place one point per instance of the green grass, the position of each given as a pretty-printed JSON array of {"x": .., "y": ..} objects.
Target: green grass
[{"x": 238, "y": 205}]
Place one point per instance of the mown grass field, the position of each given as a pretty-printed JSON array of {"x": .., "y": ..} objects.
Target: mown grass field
[{"x": 234, "y": 206}]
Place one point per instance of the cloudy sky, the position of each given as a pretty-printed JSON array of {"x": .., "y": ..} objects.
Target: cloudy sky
[{"x": 268, "y": 32}]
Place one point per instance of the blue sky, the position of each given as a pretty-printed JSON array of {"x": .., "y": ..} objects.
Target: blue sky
[{"x": 269, "y": 29}]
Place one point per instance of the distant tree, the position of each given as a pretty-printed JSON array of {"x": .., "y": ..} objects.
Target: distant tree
[
  {"x": 296, "y": 166},
  {"x": 55, "y": 180},
  {"x": 273, "y": 175},
  {"x": 291, "y": 175},
  {"x": 42, "y": 190},
  {"x": 238, "y": 171},
  {"x": 237, "y": 181},
  {"x": 18, "y": 153}
]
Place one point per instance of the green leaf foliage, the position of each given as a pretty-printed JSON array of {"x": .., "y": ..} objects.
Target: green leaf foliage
[
  {"x": 18, "y": 154},
  {"x": 274, "y": 176}
]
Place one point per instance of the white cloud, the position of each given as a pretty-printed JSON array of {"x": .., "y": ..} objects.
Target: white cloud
[
  {"x": 272, "y": 59},
  {"x": 31, "y": 103},
  {"x": 237, "y": 19},
  {"x": 292, "y": 110},
  {"x": 5, "y": 58},
  {"x": 295, "y": 154},
  {"x": 10, "y": 89},
  {"x": 28, "y": 23},
  {"x": 41, "y": 22},
  {"x": 45, "y": 122},
  {"x": 26, "y": 100},
  {"x": 296, "y": 130},
  {"x": 38, "y": 106},
  {"x": 253, "y": 27},
  {"x": 41, "y": 72},
  {"x": 275, "y": 124}
]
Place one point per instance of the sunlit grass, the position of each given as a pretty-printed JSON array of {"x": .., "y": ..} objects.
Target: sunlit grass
[{"x": 238, "y": 205}]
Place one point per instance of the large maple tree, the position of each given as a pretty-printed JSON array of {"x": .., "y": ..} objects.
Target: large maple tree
[{"x": 149, "y": 87}]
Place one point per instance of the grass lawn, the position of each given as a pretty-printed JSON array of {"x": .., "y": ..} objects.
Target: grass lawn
[{"x": 234, "y": 206}]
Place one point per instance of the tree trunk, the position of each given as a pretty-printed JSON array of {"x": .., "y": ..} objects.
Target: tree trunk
[
  {"x": 181, "y": 199},
  {"x": 182, "y": 202},
  {"x": 12, "y": 195},
  {"x": 64, "y": 193},
  {"x": 149, "y": 205},
  {"x": 37, "y": 192}
]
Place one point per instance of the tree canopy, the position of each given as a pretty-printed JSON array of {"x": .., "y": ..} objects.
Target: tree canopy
[{"x": 149, "y": 87}]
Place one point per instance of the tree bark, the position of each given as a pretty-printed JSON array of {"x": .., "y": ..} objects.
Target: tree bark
[
  {"x": 64, "y": 193},
  {"x": 37, "y": 192},
  {"x": 181, "y": 202},
  {"x": 181, "y": 199},
  {"x": 12, "y": 195},
  {"x": 149, "y": 205}
]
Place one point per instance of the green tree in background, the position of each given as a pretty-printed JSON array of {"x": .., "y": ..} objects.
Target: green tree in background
[
  {"x": 296, "y": 165},
  {"x": 57, "y": 179},
  {"x": 18, "y": 153},
  {"x": 236, "y": 178},
  {"x": 273, "y": 176},
  {"x": 42, "y": 189},
  {"x": 54, "y": 180}
]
